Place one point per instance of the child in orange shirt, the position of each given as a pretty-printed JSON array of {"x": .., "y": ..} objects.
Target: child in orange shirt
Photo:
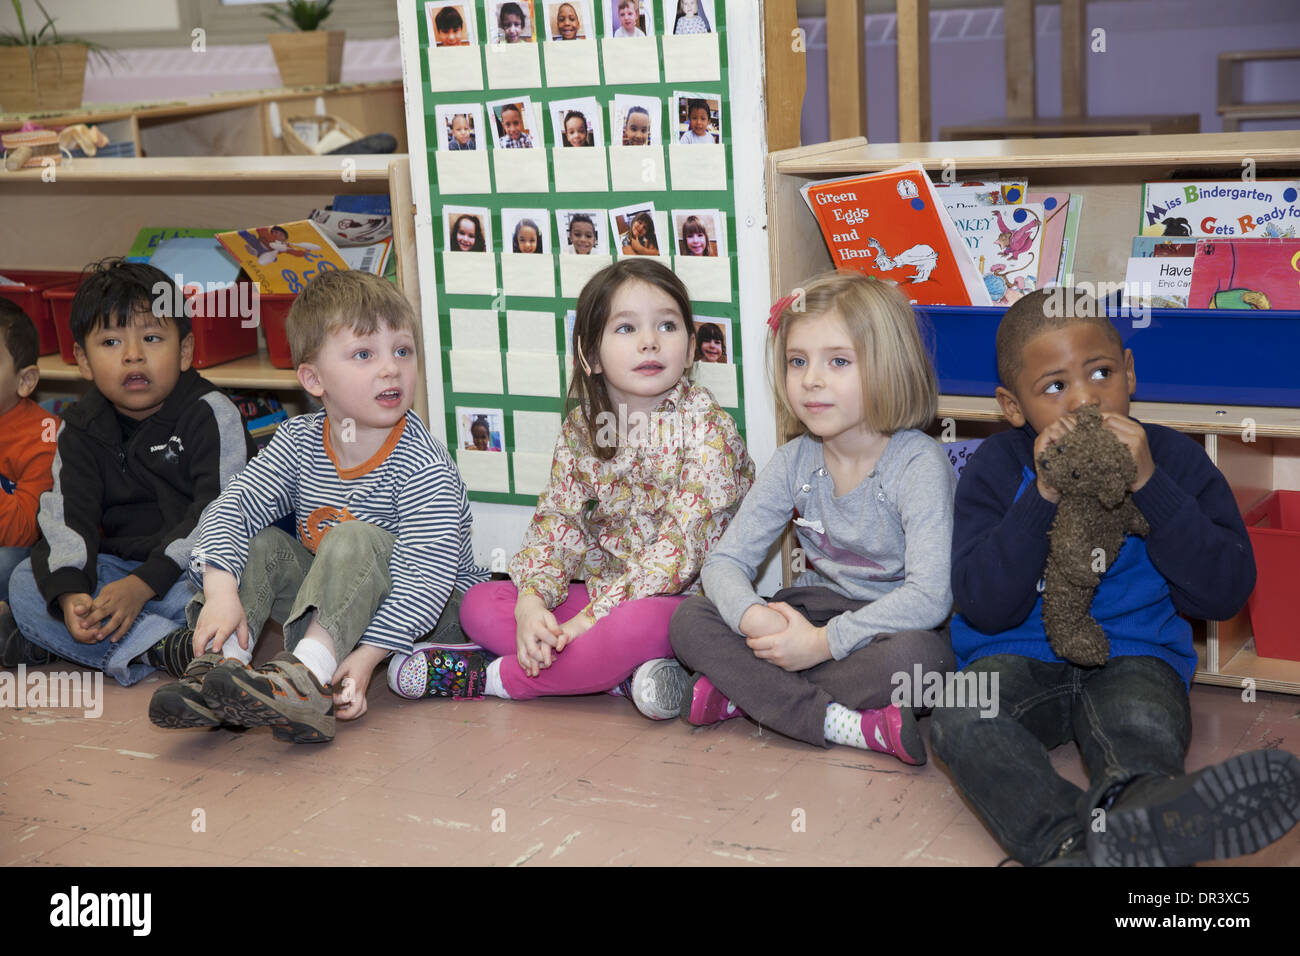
[{"x": 25, "y": 455}]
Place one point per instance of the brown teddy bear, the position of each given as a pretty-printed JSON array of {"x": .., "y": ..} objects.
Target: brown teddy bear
[{"x": 1092, "y": 469}]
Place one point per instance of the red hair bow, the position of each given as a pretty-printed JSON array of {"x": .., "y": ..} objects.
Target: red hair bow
[{"x": 774, "y": 317}]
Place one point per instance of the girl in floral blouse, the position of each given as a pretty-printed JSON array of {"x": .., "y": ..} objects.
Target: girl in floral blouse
[{"x": 648, "y": 471}]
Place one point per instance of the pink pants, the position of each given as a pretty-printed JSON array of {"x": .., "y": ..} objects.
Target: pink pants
[{"x": 628, "y": 636}]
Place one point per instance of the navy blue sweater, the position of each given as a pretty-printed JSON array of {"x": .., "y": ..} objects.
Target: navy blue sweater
[{"x": 1196, "y": 561}]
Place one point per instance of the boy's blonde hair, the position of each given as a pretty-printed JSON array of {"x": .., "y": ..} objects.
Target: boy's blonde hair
[
  {"x": 353, "y": 299},
  {"x": 898, "y": 384}
]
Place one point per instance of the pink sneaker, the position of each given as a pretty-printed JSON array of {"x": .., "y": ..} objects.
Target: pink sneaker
[
  {"x": 704, "y": 704},
  {"x": 893, "y": 730}
]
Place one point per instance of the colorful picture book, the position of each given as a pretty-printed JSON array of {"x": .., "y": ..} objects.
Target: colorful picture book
[
  {"x": 1224, "y": 209},
  {"x": 148, "y": 238},
  {"x": 1056, "y": 212},
  {"x": 1070, "y": 242},
  {"x": 195, "y": 261},
  {"x": 892, "y": 226},
  {"x": 1159, "y": 271},
  {"x": 1006, "y": 243},
  {"x": 1246, "y": 274},
  {"x": 282, "y": 258},
  {"x": 983, "y": 192}
]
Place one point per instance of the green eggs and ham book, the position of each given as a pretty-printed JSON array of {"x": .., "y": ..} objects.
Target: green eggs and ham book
[
  {"x": 1246, "y": 274},
  {"x": 891, "y": 225}
]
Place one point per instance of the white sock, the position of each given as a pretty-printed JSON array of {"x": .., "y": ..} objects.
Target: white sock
[
  {"x": 844, "y": 726},
  {"x": 231, "y": 649},
  {"x": 318, "y": 658},
  {"x": 494, "y": 686}
]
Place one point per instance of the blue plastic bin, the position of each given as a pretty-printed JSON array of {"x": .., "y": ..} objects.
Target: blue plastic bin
[{"x": 1199, "y": 356}]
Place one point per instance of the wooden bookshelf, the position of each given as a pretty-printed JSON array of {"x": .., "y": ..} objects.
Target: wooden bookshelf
[
  {"x": 1108, "y": 172},
  {"x": 231, "y": 122},
  {"x": 94, "y": 209}
]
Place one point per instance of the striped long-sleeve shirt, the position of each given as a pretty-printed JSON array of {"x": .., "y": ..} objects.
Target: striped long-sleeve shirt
[{"x": 410, "y": 488}]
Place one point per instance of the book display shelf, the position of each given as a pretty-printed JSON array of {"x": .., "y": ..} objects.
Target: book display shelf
[
  {"x": 93, "y": 209},
  {"x": 1256, "y": 447}
]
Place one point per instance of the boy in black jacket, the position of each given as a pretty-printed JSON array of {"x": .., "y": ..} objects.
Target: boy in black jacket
[
  {"x": 1129, "y": 717},
  {"x": 138, "y": 459}
]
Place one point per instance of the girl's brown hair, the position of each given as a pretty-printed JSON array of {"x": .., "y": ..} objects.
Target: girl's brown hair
[
  {"x": 587, "y": 388},
  {"x": 898, "y": 384}
]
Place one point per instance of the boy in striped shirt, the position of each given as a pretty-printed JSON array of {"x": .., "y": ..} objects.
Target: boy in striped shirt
[{"x": 382, "y": 551}]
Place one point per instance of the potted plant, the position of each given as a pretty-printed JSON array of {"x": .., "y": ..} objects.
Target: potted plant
[
  {"x": 43, "y": 70},
  {"x": 307, "y": 55}
]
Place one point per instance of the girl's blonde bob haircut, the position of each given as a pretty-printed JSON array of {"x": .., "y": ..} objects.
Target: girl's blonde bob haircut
[{"x": 898, "y": 384}]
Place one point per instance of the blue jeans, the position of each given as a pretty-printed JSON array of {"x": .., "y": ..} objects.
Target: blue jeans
[
  {"x": 1129, "y": 718},
  {"x": 124, "y": 661},
  {"x": 10, "y": 558}
]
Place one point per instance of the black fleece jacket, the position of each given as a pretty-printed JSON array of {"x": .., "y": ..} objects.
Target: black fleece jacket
[{"x": 139, "y": 499}]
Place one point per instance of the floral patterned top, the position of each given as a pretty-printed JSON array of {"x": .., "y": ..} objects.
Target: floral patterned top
[{"x": 640, "y": 523}]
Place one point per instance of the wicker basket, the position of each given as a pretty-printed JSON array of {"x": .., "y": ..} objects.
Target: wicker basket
[{"x": 294, "y": 143}]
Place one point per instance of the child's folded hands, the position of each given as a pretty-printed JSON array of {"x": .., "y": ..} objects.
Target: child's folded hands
[
  {"x": 76, "y": 615},
  {"x": 117, "y": 606},
  {"x": 796, "y": 648}
]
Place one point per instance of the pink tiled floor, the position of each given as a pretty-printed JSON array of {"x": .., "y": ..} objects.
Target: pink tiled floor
[{"x": 566, "y": 781}]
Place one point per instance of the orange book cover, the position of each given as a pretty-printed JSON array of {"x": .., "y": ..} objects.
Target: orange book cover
[
  {"x": 892, "y": 226},
  {"x": 285, "y": 257}
]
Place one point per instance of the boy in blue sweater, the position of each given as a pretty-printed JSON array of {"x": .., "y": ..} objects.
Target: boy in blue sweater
[{"x": 1129, "y": 717}]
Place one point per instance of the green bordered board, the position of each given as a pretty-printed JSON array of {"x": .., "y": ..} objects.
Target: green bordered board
[{"x": 543, "y": 150}]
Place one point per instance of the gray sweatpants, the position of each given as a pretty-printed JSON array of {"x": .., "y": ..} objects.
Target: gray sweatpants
[{"x": 795, "y": 702}]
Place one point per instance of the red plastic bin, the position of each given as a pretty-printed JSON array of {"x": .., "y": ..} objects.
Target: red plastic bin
[
  {"x": 1274, "y": 528},
  {"x": 218, "y": 323},
  {"x": 28, "y": 296},
  {"x": 59, "y": 300},
  {"x": 275, "y": 309}
]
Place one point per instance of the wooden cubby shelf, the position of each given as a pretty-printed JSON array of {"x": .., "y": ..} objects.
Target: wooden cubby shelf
[
  {"x": 1108, "y": 172},
  {"x": 94, "y": 208}
]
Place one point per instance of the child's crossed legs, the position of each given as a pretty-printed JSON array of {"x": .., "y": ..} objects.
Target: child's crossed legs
[{"x": 597, "y": 660}]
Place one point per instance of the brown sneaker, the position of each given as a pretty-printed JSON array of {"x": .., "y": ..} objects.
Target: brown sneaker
[
  {"x": 181, "y": 703},
  {"x": 282, "y": 694}
]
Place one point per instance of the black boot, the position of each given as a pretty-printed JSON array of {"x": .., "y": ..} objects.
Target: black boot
[{"x": 1230, "y": 809}]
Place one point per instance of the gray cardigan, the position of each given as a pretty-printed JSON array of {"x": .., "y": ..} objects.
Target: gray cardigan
[{"x": 888, "y": 541}]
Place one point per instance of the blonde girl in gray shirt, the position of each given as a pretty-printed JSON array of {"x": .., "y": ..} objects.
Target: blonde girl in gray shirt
[{"x": 871, "y": 498}]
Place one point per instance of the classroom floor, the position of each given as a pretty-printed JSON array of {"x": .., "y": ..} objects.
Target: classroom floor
[{"x": 562, "y": 781}]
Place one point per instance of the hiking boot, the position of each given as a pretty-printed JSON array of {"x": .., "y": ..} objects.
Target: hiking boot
[
  {"x": 704, "y": 704},
  {"x": 174, "y": 652},
  {"x": 1230, "y": 809},
  {"x": 657, "y": 688},
  {"x": 16, "y": 649},
  {"x": 282, "y": 694},
  {"x": 181, "y": 703},
  {"x": 458, "y": 671}
]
